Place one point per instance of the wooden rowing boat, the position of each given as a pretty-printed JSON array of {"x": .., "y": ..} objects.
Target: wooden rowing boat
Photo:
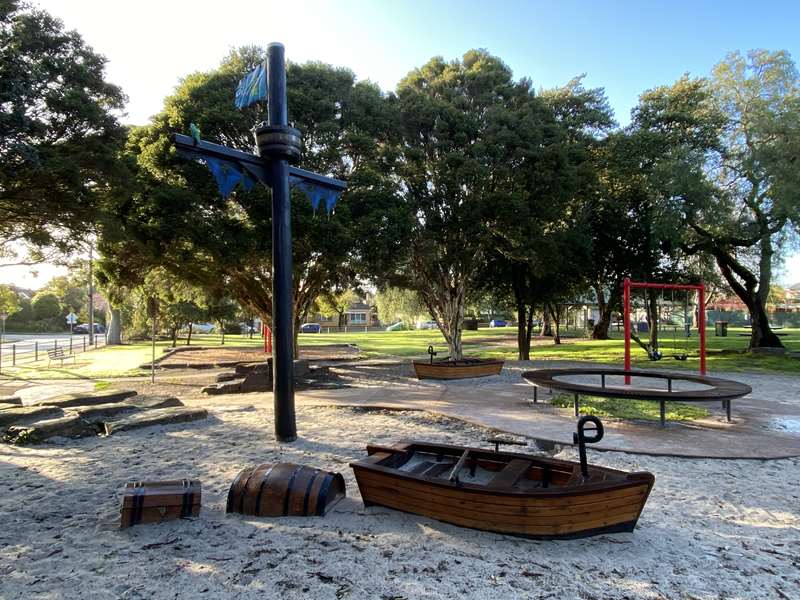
[
  {"x": 503, "y": 492},
  {"x": 457, "y": 369}
]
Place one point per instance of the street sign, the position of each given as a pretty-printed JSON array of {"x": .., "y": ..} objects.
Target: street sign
[{"x": 72, "y": 318}]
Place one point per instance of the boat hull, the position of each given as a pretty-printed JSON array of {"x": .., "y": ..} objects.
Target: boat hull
[
  {"x": 444, "y": 369},
  {"x": 553, "y": 513}
]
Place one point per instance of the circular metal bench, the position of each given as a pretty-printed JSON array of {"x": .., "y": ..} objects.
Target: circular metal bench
[{"x": 720, "y": 390}]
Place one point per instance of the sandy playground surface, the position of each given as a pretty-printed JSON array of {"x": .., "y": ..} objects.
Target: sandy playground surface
[{"x": 712, "y": 529}]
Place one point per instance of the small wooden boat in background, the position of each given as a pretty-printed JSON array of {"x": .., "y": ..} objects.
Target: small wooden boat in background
[
  {"x": 457, "y": 369},
  {"x": 503, "y": 492}
]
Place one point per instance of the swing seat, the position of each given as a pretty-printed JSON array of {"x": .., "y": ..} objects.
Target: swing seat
[
  {"x": 655, "y": 355},
  {"x": 680, "y": 356}
]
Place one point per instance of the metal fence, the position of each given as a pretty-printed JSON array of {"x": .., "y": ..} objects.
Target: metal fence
[{"x": 33, "y": 350}]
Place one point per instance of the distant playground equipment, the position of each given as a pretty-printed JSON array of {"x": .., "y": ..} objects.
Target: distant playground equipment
[{"x": 654, "y": 308}]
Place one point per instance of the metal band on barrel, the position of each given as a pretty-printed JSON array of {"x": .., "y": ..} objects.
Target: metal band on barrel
[{"x": 289, "y": 489}]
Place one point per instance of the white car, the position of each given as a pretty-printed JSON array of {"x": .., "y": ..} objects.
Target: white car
[
  {"x": 202, "y": 327},
  {"x": 427, "y": 325}
]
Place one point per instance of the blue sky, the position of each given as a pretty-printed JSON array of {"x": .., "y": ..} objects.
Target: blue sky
[{"x": 625, "y": 47}]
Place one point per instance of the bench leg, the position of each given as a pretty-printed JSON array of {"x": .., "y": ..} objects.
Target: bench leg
[
  {"x": 577, "y": 406},
  {"x": 663, "y": 410}
]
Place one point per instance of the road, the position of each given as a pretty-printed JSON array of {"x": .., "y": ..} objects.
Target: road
[{"x": 29, "y": 347}]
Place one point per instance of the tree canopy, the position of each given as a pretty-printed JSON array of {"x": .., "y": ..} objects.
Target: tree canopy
[
  {"x": 177, "y": 219},
  {"x": 59, "y": 135}
]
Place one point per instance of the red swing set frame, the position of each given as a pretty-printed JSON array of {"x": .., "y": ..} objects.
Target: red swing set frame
[{"x": 629, "y": 285}]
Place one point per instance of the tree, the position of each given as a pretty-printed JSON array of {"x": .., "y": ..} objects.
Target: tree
[
  {"x": 46, "y": 306},
  {"x": 541, "y": 244},
  {"x": 462, "y": 131},
  {"x": 395, "y": 304},
  {"x": 337, "y": 302},
  {"x": 9, "y": 300},
  {"x": 748, "y": 197},
  {"x": 179, "y": 304},
  {"x": 59, "y": 135},
  {"x": 177, "y": 219},
  {"x": 221, "y": 311}
]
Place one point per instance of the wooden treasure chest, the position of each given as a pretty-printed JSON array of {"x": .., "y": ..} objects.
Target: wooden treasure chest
[{"x": 156, "y": 501}]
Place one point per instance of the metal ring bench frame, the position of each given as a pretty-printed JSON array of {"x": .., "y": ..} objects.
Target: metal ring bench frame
[{"x": 722, "y": 390}]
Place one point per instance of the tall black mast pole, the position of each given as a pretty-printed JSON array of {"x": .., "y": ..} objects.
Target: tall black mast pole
[{"x": 278, "y": 144}]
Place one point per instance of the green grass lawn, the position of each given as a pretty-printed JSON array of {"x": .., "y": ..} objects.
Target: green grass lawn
[
  {"x": 631, "y": 409},
  {"x": 724, "y": 354}
]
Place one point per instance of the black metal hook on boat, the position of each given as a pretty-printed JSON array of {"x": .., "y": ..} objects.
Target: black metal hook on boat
[
  {"x": 581, "y": 438},
  {"x": 431, "y": 352}
]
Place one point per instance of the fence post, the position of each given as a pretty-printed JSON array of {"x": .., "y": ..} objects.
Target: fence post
[
  {"x": 70, "y": 344},
  {"x": 36, "y": 351},
  {"x": 95, "y": 342},
  {"x": 13, "y": 355},
  {"x": 84, "y": 343},
  {"x": 55, "y": 344}
]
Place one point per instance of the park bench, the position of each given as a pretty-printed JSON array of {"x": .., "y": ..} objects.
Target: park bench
[
  {"x": 715, "y": 389},
  {"x": 58, "y": 354}
]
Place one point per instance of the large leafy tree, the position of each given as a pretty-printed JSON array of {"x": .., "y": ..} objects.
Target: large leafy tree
[
  {"x": 739, "y": 189},
  {"x": 59, "y": 134},
  {"x": 541, "y": 239},
  {"x": 178, "y": 220},
  {"x": 464, "y": 127}
]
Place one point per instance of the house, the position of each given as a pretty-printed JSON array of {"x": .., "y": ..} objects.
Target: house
[{"x": 358, "y": 314}]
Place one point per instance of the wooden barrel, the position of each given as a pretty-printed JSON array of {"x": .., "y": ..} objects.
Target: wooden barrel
[{"x": 284, "y": 490}]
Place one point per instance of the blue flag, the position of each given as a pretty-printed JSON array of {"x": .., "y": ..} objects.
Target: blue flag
[
  {"x": 316, "y": 194},
  {"x": 252, "y": 87}
]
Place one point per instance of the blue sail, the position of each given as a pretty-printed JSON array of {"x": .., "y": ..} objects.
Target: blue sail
[{"x": 228, "y": 175}]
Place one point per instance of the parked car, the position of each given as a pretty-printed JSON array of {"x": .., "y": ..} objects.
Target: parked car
[
  {"x": 427, "y": 325},
  {"x": 311, "y": 328},
  {"x": 399, "y": 326},
  {"x": 84, "y": 328},
  {"x": 203, "y": 327},
  {"x": 497, "y": 323}
]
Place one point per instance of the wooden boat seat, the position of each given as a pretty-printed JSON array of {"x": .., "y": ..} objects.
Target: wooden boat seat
[
  {"x": 510, "y": 474},
  {"x": 421, "y": 467},
  {"x": 437, "y": 469}
]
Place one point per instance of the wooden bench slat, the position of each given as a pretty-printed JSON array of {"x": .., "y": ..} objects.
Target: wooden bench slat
[{"x": 510, "y": 474}]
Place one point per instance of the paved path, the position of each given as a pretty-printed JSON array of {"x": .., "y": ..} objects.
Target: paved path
[{"x": 766, "y": 424}]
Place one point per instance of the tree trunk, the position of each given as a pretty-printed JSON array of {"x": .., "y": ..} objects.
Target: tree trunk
[
  {"x": 547, "y": 328},
  {"x": 222, "y": 328},
  {"x": 524, "y": 318},
  {"x": 762, "y": 335},
  {"x": 606, "y": 310},
  {"x": 189, "y": 337},
  {"x": 523, "y": 336},
  {"x": 555, "y": 316},
  {"x": 174, "y": 333},
  {"x": 115, "y": 328}
]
